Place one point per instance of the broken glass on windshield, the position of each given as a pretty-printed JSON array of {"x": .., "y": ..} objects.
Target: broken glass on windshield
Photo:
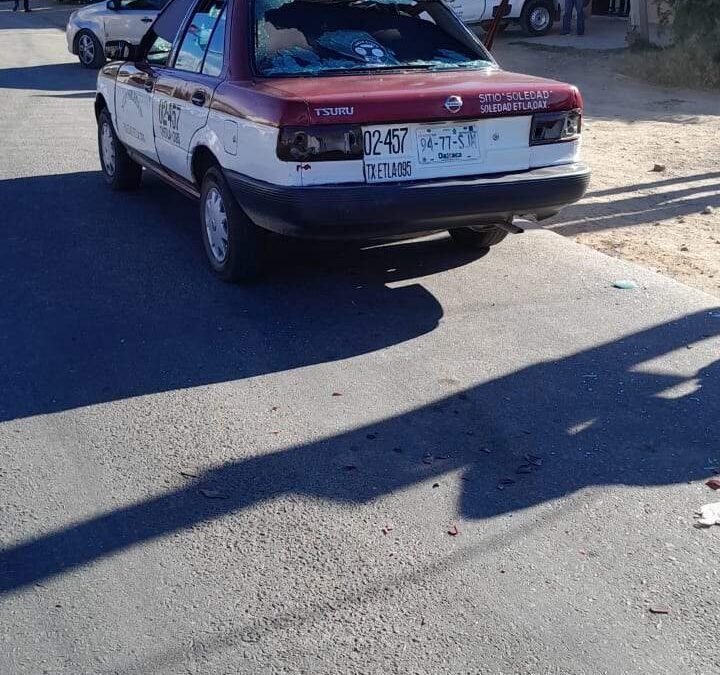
[{"x": 316, "y": 37}]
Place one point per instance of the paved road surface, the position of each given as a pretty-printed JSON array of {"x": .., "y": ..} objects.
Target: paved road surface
[{"x": 124, "y": 361}]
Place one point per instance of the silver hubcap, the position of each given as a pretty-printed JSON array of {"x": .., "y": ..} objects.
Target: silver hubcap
[
  {"x": 540, "y": 18},
  {"x": 107, "y": 148},
  {"x": 86, "y": 49},
  {"x": 216, "y": 224}
]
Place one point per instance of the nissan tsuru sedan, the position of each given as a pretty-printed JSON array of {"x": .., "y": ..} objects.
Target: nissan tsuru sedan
[{"x": 335, "y": 119}]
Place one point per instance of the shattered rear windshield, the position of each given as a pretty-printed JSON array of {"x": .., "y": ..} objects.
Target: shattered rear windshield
[{"x": 317, "y": 37}]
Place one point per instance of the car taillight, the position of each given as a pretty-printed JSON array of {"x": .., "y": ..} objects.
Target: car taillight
[
  {"x": 320, "y": 143},
  {"x": 555, "y": 127}
]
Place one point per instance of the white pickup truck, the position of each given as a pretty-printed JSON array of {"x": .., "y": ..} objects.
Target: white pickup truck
[{"x": 535, "y": 17}]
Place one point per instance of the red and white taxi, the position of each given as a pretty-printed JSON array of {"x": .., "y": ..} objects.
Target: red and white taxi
[{"x": 335, "y": 119}]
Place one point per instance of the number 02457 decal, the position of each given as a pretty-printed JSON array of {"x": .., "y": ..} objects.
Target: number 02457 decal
[
  {"x": 169, "y": 118},
  {"x": 385, "y": 142}
]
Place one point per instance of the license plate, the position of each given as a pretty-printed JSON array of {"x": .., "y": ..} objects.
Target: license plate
[
  {"x": 407, "y": 152},
  {"x": 447, "y": 145},
  {"x": 388, "y": 154}
]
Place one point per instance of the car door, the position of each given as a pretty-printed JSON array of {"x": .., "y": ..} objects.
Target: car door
[
  {"x": 183, "y": 92},
  {"x": 135, "y": 82},
  {"x": 469, "y": 11},
  {"x": 129, "y": 20},
  {"x": 133, "y": 107}
]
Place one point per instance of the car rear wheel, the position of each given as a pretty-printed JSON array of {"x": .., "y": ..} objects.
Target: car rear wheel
[
  {"x": 89, "y": 50},
  {"x": 537, "y": 17},
  {"x": 468, "y": 237},
  {"x": 234, "y": 245},
  {"x": 120, "y": 171}
]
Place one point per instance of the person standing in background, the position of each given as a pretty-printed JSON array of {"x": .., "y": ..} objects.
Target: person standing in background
[
  {"x": 567, "y": 17},
  {"x": 623, "y": 8},
  {"x": 26, "y": 6}
]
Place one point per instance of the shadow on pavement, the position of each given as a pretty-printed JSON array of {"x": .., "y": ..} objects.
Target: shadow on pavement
[
  {"x": 650, "y": 185},
  {"x": 108, "y": 296},
  {"x": 640, "y": 208},
  {"x": 73, "y": 95},
  {"x": 44, "y": 14},
  {"x": 593, "y": 418},
  {"x": 49, "y": 77}
]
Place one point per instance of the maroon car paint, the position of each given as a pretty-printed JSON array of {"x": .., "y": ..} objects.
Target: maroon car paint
[
  {"x": 389, "y": 97},
  {"x": 397, "y": 97},
  {"x": 260, "y": 104}
]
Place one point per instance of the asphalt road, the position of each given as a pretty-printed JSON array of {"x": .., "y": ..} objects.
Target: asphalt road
[{"x": 314, "y": 537}]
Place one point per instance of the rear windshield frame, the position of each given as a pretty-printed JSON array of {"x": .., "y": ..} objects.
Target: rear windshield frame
[{"x": 473, "y": 39}]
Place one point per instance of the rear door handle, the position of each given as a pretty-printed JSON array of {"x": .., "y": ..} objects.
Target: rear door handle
[
  {"x": 146, "y": 19},
  {"x": 149, "y": 85},
  {"x": 198, "y": 98}
]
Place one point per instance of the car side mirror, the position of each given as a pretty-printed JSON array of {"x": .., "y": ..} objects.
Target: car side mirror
[
  {"x": 114, "y": 5},
  {"x": 121, "y": 50}
]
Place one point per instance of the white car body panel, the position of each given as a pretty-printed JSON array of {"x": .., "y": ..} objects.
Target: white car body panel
[
  {"x": 555, "y": 154},
  {"x": 106, "y": 88},
  {"x": 475, "y": 11},
  {"x": 470, "y": 11},
  {"x": 252, "y": 152},
  {"x": 129, "y": 25},
  {"x": 133, "y": 114},
  {"x": 176, "y": 120},
  {"x": 107, "y": 24}
]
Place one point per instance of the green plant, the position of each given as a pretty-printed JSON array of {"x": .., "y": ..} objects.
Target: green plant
[
  {"x": 681, "y": 65},
  {"x": 696, "y": 23}
]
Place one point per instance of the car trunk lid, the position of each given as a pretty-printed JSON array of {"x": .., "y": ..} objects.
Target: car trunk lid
[{"x": 423, "y": 96}]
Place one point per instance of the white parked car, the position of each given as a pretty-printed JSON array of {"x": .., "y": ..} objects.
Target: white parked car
[
  {"x": 536, "y": 17},
  {"x": 89, "y": 28}
]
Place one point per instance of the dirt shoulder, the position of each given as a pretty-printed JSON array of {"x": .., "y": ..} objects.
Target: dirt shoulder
[{"x": 630, "y": 211}]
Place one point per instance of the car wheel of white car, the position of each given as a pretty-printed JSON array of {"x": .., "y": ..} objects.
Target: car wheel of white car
[
  {"x": 121, "y": 172},
  {"x": 234, "y": 245},
  {"x": 469, "y": 237},
  {"x": 537, "y": 17},
  {"x": 89, "y": 50}
]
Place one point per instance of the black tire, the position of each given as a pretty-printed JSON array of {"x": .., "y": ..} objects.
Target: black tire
[
  {"x": 537, "y": 17},
  {"x": 467, "y": 237},
  {"x": 89, "y": 50},
  {"x": 242, "y": 256},
  {"x": 120, "y": 171}
]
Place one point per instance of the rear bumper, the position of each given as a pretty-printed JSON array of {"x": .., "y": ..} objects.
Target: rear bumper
[{"x": 362, "y": 211}]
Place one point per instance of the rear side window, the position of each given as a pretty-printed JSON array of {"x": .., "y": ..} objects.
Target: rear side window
[
  {"x": 214, "y": 57},
  {"x": 158, "y": 41},
  {"x": 318, "y": 37},
  {"x": 168, "y": 23},
  {"x": 159, "y": 52},
  {"x": 198, "y": 36}
]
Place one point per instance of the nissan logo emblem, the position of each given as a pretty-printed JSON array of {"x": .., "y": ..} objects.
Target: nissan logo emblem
[{"x": 453, "y": 104}]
